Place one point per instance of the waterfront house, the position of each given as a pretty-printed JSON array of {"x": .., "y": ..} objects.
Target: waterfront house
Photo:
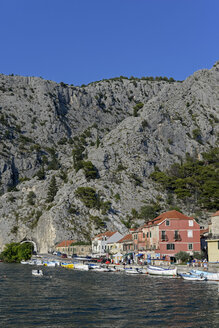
[
  {"x": 63, "y": 247},
  {"x": 73, "y": 247},
  {"x": 126, "y": 244},
  {"x": 99, "y": 242},
  {"x": 213, "y": 239},
  {"x": 112, "y": 243},
  {"x": 81, "y": 249},
  {"x": 168, "y": 234}
]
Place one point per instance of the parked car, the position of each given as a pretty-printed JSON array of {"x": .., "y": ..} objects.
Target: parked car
[{"x": 64, "y": 256}]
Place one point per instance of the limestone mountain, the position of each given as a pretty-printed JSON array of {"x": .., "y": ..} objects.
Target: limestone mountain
[{"x": 75, "y": 160}]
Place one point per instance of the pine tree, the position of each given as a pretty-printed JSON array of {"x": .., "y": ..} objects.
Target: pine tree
[{"x": 52, "y": 190}]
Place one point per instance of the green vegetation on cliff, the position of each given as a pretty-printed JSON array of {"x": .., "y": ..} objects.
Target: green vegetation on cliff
[{"x": 196, "y": 180}]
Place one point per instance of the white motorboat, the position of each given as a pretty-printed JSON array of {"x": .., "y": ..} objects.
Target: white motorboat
[
  {"x": 208, "y": 275},
  {"x": 24, "y": 262},
  {"x": 192, "y": 277},
  {"x": 133, "y": 271},
  {"x": 114, "y": 269},
  {"x": 49, "y": 263},
  {"x": 161, "y": 271},
  {"x": 37, "y": 273},
  {"x": 99, "y": 269},
  {"x": 32, "y": 262},
  {"x": 81, "y": 266},
  {"x": 39, "y": 262}
]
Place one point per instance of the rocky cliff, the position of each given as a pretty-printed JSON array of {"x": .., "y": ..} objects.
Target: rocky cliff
[{"x": 100, "y": 142}]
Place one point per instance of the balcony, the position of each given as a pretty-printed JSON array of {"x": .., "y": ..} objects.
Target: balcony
[
  {"x": 164, "y": 238},
  {"x": 177, "y": 238}
]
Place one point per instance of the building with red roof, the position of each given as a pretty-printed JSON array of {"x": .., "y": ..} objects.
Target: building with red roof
[
  {"x": 103, "y": 242},
  {"x": 126, "y": 244},
  {"x": 65, "y": 243},
  {"x": 168, "y": 234}
]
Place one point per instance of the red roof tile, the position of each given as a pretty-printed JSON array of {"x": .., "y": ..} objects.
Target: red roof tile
[
  {"x": 66, "y": 243},
  {"x": 172, "y": 215},
  {"x": 216, "y": 214},
  {"x": 126, "y": 238},
  {"x": 169, "y": 215}
]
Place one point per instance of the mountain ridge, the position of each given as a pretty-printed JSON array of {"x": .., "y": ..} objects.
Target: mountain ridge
[{"x": 125, "y": 128}]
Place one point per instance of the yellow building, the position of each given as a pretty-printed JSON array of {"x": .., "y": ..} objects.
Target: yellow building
[
  {"x": 72, "y": 247},
  {"x": 213, "y": 241},
  {"x": 213, "y": 250}
]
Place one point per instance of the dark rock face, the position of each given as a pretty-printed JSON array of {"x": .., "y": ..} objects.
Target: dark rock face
[{"x": 126, "y": 128}]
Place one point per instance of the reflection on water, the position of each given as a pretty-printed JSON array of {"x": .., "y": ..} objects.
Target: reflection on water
[{"x": 68, "y": 298}]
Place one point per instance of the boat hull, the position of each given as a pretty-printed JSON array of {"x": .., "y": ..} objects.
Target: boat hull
[
  {"x": 37, "y": 273},
  {"x": 191, "y": 277},
  {"x": 214, "y": 276},
  {"x": 83, "y": 267},
  {"x": 153, "y": 270}
]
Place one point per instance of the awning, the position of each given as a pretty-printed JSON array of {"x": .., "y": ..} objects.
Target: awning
[{"x": 139, "y": 254}]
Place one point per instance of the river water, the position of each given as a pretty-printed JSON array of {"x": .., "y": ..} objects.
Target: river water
[{"x": 68, "y": 298}]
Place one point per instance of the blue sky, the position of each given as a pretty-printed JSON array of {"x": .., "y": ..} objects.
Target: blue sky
[{"x": 79, "y": 41}]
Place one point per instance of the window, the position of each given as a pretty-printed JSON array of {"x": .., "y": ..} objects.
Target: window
[
  {"x": 143, "y": 235},
  {"x": 218, "y": 244},
  {"x": 163, "y": 235},
  {"x": 167, "y": 222},
  {"x": 191, "y": 223},
  {"x": 170, "y": 246},
  {"x": 147, "y": 234},
  {"x": 176, "y": 235},
  {"x": 150, "y": 233},
  {"x": 190, "y": 233},
  {"x": 190, "y": 246}
]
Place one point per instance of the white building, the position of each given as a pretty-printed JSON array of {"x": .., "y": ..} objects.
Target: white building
[{"x": 101, "y": 241}]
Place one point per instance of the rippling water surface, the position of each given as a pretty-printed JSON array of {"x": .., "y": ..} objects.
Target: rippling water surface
[{"x": 68, "y": 298}]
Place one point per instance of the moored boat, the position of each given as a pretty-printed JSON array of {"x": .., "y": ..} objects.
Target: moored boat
[
  {"x": 81, "y": 266},
  {"x": 99, "y": 268},
  {"x": 161, "y": 271},
  {"x": 67, "y": 265},
  {"x": 24, "y": 262},
  {"x": 133, "y": 271},
  {"x": 192, "y": 277},
  {"x": 209, "y": 275},
  {"x": 37, "y": 273},
  {"x": 49, "y": 263}
]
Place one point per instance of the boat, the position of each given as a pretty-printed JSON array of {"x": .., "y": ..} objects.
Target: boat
[
  {"x": 37, "y": 273},
  {"x": 49, "y": 263},
  {"x": 67, "y": 265},
  {"x": 161, "y": 271},
  {"x": 114, "y": 269},
  {"x": 192, "y": 277},
  {"x": 81, "y": 266},
  {"x": 39, "y": 262},
  {"x": 32, "y": 262},
  {"x": 24, "y": 262},
  {"x": 99, "y": 268},
  {"x": 133, "y": 271},
  {"x": 209, "y": 275}
]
